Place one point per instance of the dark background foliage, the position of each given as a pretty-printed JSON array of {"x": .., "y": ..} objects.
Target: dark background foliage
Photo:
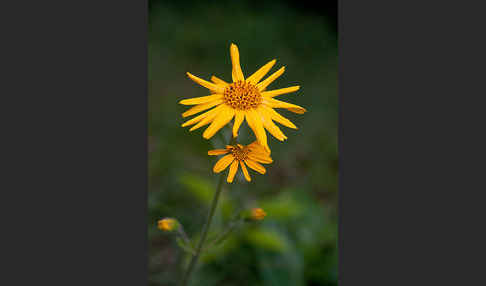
[{"x": 296, "y": 244}]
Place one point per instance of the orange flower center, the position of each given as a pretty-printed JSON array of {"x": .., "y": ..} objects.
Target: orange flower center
[
  {"x": 239, "y": 152},
  {"x": 242, "y": 95}
]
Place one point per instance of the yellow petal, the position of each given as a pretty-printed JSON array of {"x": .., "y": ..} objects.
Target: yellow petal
[
  {"x": 195, "y": 119},
  {"x": 245, "y": 171},
  {"x": 202, "y": 99},
  {"x": 255, "y": 147},
  {"x": 235, "y": 60},
  {"x": 255, "y": 123},
  {"x": 223, "y": 163},
  {"x": 216, "y": 152},
  {"x": 201, "y": 107},
  {"x": 232, "y": 171},
  {"x": 275, "y": 92},
  {"x": 260, "y": 158},
  {"x": 255, "y": 166},
  {"x": 279, "y": 118},
  {"x": 206, "y": 84},
  {"x": 209, "y": 117},
  {"x": 218, "y": 81},
  {"x": 269, "y": 125},
  {"x": 298, "y": 110},
  {"x": 258, "y": 149},
  {"x": 262, "y": 85},
  {"x": 261, "y": 72},
  {"x": 221, "y": 120},
  {"x": 239, "y": 117},
  {"x": 281, "y": 104}
]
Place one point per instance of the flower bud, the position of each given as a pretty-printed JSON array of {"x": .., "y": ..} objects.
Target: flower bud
[
  {"x": 167, "y": 224},
  {"x": 254, "y": 214},
  {"x": 257, "y": 214}
]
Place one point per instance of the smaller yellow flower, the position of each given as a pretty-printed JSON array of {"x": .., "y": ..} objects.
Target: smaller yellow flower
[
  {"x": 258, "y": 214},
  {"x": 167, "y": 224},
  {"x": 251, "y": 155}
]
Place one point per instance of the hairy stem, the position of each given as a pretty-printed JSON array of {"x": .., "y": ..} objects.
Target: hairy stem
[
  {"x": 225, "y": 234},
  {"x": 195, "y": 257},
  {"x": 205, "y": 231}
]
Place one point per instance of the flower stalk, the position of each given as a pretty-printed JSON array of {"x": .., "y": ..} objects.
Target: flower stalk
[
  {"x": 226, "y": 233},
  {"x": 205, "y": 230}
]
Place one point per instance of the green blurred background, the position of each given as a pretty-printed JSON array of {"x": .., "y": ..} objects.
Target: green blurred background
[{"x": 296, "y": 244}]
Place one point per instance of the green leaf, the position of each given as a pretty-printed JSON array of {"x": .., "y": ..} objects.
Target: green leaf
[
  {"x": 283, "y": 207},
  {"x": 267, "y": 239},
  {"x": 200, "y": 187},
  {"x": 285, "y": 269},
  {"x": 231, "y": 243}
]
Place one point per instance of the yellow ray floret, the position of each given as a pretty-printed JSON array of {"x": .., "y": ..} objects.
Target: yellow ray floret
[
  {"x": 200, "y": 100},
  {"x": 280, "y": 104},
  {"x": 201, "y": 107},
  {"x": 263, "y": 85},
  {"x": 235, "y": 61},
  {"x": 280, "y": 91},
  {"x": 219, "y": 121},
  {"x": 218, "y": 81},
  {"x": 259, "y": 74},
  {"x": 244, "y": 99},
  {"x": 252, "y": 155},
  {"x": 206, "y": 84}
]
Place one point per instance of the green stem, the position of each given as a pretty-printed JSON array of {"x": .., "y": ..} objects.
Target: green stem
[
  {"x": 205, "y": 231},
  {"x": 184, "y": 235},
  {"x": 195, "y": 257},
  {"x": 225, "y": 234}
]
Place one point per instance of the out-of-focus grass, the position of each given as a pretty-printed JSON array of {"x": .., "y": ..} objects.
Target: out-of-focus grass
[{"x": 296, "y": 243}]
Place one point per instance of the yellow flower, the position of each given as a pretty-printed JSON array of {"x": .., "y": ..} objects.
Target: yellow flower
[
  {"x": 242, "y": 99},
  {"x": 250, "y": 155},
  {"x": 167, "y": 224},
  {"x": 258, "y": 214}
]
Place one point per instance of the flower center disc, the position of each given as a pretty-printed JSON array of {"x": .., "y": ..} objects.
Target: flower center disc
[
  {"x": 240, "y": 153},
  {"x": 242, "y": 95}
]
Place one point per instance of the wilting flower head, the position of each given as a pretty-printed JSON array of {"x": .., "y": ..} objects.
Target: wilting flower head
[
  {"x": 167, "y": 224},
  {"x": 257, "y": 214},
  {"x": 242, "y": 99},
  {"x": 250, "y": 155}
]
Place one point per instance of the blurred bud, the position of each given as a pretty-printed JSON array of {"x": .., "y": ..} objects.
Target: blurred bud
[
  {"x": 167, "y": 224},
  {"x": 257, "y": 214},
  {"x": 253, "y": 214}
]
